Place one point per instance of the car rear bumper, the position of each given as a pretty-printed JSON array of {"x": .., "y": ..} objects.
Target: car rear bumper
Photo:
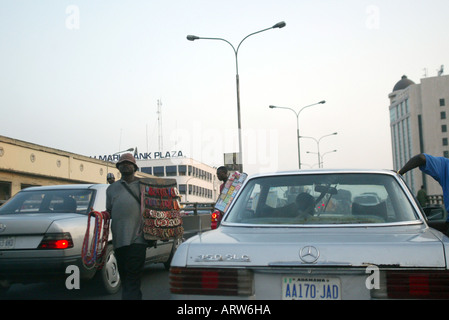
[{"x": 34, "y": 269}]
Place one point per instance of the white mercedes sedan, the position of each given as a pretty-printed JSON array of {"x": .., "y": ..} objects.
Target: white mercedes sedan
[
  {"x": 42, "y": 230},
  {"x": 301, "y": 236}
]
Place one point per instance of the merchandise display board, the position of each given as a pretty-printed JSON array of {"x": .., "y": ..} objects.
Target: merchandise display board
[
  {"x": 230, "y": 190},
  {"x": 160, "y": 209}
]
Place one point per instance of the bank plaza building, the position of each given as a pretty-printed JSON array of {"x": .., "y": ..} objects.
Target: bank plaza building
[
  {"x": 24, "y": 164},
  {"x": 197, "y": 182}
]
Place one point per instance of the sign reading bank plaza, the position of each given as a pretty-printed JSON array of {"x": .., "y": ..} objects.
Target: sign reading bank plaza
[{"x": 144, "y": 156}]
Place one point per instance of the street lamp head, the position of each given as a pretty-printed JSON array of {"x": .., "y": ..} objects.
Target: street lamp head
[
  {"x": 272, "y": 107},
  {"x": 192, "y": 38},
  {"x": 322, "y": 101},
  {"x": 279, "y": 25}
]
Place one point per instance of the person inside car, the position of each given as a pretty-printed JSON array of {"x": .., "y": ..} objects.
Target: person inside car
[{"x": 306, "y": 205}]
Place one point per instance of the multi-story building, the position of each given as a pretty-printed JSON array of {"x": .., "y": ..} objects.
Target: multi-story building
[
  {"x": 419, "y": 121},
  {"x": 24, "y": 164},
  {"x": 197, "y": 182}
]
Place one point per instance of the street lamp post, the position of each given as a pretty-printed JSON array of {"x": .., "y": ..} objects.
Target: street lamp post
[
  {"x": 318, "y": 144},
  {"x": 320, "y": 158},
  {"x": 187, "y": 186},
  {"x": 297, "y": 124},
  {"x": 237, "y": 81},
  {"x": 127, "y": 150},
  {"x": 187, "y": 183}
]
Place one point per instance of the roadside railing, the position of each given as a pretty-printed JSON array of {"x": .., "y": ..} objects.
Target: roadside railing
[
  {"x": 435, "y": 199},
  {"x": 196, "y": 217},
  {"x": 197, "y": 207}
]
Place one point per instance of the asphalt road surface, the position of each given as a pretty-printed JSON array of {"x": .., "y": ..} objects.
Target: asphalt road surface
[{"x": 154, "y": 287}]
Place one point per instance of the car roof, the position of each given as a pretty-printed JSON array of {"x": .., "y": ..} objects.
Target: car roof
[
  {"x": 66, "y": 187},
  {"x": 324, "y": 171}
]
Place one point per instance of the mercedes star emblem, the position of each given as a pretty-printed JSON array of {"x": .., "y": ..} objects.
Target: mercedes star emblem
[{"x": 309, "y": 254}]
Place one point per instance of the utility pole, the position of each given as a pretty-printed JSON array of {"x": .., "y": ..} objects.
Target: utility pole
[{"x": 159, "y": 121}]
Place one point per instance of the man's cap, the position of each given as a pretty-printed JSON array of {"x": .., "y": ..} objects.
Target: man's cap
[{"x": 127, "y": 157}]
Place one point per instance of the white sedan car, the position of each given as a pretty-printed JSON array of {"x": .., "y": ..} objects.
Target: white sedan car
[
  {"x": 42, "y": 231},
  {"x": 300, "y": 235}
]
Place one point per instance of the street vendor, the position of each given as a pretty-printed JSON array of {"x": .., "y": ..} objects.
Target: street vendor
[
  {"x": 222, "y": 175},
  {"x": 122, "y": 202}
]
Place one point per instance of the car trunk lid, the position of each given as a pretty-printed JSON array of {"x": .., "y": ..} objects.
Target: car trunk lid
[
  {"x": 406, "y": 246},
  {"x": 25, "y": 231}
]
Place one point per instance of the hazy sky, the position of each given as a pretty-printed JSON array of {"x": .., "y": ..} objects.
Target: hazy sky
[{"x": 85, "y": 76}]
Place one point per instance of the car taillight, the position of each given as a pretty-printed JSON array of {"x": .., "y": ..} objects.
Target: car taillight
[
  {"x": 213, "y": 281},
  {"x": 56, "y": 241},
  {"x": 419, "y": 284},
  {"x": 215, "y": 219}
]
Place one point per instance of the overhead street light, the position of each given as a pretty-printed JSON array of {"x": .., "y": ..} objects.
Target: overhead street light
[
  {"x": 318, "y": 144},
  {"x": 193, "y": 38},
  {"x": 297, "y": 123},
  {"x": 320, "y": 158},
  {"x": 277, "y": 25},
  {"x": 127, "y": 150}
]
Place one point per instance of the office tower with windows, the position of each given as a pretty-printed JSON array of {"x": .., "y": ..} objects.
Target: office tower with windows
[{"x": 419, "y": 120}]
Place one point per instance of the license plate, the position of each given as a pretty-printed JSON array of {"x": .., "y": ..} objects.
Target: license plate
[
  {"x": 311, "y": 288},
  {"x": 7, "y": 242}
]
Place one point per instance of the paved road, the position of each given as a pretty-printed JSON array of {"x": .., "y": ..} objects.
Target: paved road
[{"x": 154, "y": 287}]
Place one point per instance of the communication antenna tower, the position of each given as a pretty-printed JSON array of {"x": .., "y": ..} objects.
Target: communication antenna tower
[
  {"x": 159, "y": 121},
  {"x": 440, "y": 72}
]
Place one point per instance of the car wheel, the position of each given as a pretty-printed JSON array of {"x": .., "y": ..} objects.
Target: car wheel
[
  {"x": 176, "y": 243},
  {"x": 108, "y": 276}
]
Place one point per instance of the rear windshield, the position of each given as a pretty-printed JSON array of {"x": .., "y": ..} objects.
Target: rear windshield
[
  {"x": 322, "y": 199},
  {"x": 49, "y": 201}
]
